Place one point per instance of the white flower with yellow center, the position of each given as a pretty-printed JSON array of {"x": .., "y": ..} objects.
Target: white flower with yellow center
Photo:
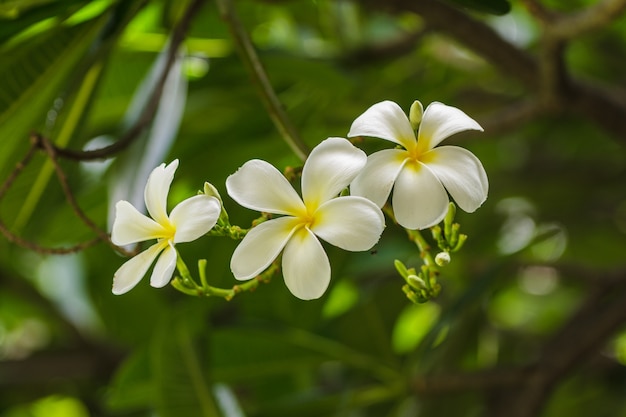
[
  {"x": 188, "y": 221},
  {"x": 348, "y": 222},
  {"x": 419, "y": 173}
]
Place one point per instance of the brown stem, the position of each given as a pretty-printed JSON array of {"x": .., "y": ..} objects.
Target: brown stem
[
  {"x": 272, "y": 104},
  {"x": 147, "y": 115},
  {"x": 602, "y": 314},
  {"x": 13, "y": 238},
  {"x": 587, "y": 20},
  {"x": 590, "y": 101}
]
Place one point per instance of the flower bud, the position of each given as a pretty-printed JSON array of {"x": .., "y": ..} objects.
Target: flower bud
[
  {"x": 416, "y": 282},
  {"x": 211, "y": 191},
  {"x": 401, "y": 268},
  {"x": 415, "y": 114},
  {"x": 442, "y": 258}
]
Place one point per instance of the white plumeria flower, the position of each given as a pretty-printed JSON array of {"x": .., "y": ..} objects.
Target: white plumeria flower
[
  {"x": 188, "y": 221},
  {"x": 419, "y": 172},
  {"x": 349, "y": 222}
]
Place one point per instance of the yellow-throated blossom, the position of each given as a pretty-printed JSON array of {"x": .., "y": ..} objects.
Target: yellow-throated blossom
[
  {"x": 188, "y": 221},
  {"x": 418, "y": 172},
  {"x": 349, "y": 222}
]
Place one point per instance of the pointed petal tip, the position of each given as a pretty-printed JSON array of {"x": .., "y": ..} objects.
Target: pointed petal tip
[{"x": 157, "y": 189}]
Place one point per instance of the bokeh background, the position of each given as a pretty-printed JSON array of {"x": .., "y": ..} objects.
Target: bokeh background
[{"x": 531, "y": 317}]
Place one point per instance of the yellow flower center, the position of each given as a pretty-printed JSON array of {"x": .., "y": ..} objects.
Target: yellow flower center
[
  {"x": 307, "y": 219},
  {"x": 169, "y": 230},
  {"x": 417, "y": 154},
  {"x": 414, "y": 154}
]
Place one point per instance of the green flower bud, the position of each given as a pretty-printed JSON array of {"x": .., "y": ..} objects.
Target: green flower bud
[
  {"x": 211, "y": 191},
  {"x": 416, "y": 282},
  {"x": 415, "y": 114},
  {"x": 401, "y": 268},
  {"x": 448, "y": 222},
  {"x": 410, "y": 294},
  {"x": 459, "y": 244},
  {"x": 442, "y": 258}
]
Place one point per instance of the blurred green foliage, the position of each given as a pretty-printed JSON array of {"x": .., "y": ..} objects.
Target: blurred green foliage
[{"x": 69, "y": 70}]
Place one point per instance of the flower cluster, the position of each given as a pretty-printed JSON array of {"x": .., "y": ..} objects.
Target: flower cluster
[{"x": 420, "y": 175}]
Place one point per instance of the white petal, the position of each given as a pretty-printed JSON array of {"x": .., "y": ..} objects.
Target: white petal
[
  {"x": 261, "y": 246},
  {"x": 164, "y": 268},
  {"x": 130, "y": 226},
  {"x": 131, "y": 272},
  {"x": 330, "y": 167},
  {"x": 306, "y": 268},
  {"x": 461, "y": 173},
  {"x": 157, "y": 189},
  {"x": 384, "y": 120},
  {"x": 351, "y": 223},
  {"x": 376, "y": 179},
  {"x": 259, "y": 186},
  {"x": 194, "y": 217},
  {"x": 419, "y": 200},
  {"x": 440, "y": 122}
]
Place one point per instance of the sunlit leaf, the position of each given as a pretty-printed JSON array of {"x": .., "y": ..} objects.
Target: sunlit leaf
[
  {"x": 10, "y": 26},
  {"x": 413, "y": 324},
  {"x": 341, "y": 298},
  {"x": 32, "y": 75}
]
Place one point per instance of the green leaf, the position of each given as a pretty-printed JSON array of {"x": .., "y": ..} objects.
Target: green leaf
[
  {"x": 179, "y": 358},
  {"x": 497, "y": 7},
  {"x": 132, "y": 385},
  {"x": 413, "y": 325},
  {"x": 77, "y": 88},
  {"x": 32, "y": 74},
  {"x": 11, "y": 27},
  {"x": 15, "y": 9}
]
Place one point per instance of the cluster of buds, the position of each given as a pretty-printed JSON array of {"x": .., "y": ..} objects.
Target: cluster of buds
[{"x": 422, "y": 285}]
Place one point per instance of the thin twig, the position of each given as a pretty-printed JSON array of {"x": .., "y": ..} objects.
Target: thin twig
[
  {"x": 511, "y": 117},
  {"x": 376, "y": 52},
  {"x": 271, "y": 101},
  {"x": 539, "y": 11},
  {"x": 602, "y": 314},
  {"x": 470, "y": 381},
  {"x": 587, "y": 20},
  {"x": 102, "y": 235},
  {"x": 553, "y": 75},
  {"x": 593, "y": 102},
  {"x": 149, "y": 111},
  {"x": 13, "y": 238}
]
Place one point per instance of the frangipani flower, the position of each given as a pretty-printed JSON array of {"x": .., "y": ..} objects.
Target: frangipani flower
[
  {"x": 349, "y": 222},
  {"x": 419, "y": 172},
  {"x": 188, "y": 221}
]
